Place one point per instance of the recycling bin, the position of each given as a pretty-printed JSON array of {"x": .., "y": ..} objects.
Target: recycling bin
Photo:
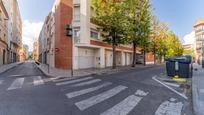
[
  {"x": 181, "y": 66},
  {"x": 185, "y": 67},
  {"x": 170, "y": 67}
]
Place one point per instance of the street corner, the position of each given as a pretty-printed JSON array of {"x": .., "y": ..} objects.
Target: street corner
[{"x": 180, "y": 86}]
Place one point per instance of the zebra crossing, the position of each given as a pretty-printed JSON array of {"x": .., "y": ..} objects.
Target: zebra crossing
[
  {"x": 123, "y": 107},
  {"x": 19, "y": 82}
]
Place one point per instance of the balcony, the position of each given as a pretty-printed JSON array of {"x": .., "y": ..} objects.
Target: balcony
[
  {"x": 76, "y": 18},
  {"x": 76, "y": 2}
]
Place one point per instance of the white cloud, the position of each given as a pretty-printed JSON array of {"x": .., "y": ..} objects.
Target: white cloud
[
  {"x": 31, "y": 31},
  {"x": 189, "y": 38}
]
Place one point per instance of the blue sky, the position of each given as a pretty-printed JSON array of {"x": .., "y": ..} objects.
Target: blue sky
[
  {"x": 35, "y": 10},
  {"x": 179, "y": 14},
  {"x": 33, "y": 14}
]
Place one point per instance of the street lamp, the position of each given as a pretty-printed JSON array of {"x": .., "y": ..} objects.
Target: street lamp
[{"x": 69, "y": 33}]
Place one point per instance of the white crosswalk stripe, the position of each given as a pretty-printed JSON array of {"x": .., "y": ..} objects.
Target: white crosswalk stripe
[
  {"x": 61, "y": 80},
  {"x": 170, "y": 108},
  {"x": 38, "y": 80},
  {"x": 1, "y": 82},
  {"x": 125, "y": 106},
  {"x": 16, "y": 84},
  {"x": 85, "y": 91},
  {"x": 87, "y": 82},
  {"x": 84, "y": 104},
  {"x": 73, "y": 81}
]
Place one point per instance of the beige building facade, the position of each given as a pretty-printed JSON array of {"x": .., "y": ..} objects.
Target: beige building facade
[
  {"x": 35, "y": 54},
  {"x": 199, "y": 35},
  {"x": 14, "y": 31},
  {"x": 4, "y": 17}
]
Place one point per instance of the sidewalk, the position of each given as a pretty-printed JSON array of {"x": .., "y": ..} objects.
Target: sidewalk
[
  {"x": 6, "y": 67},
  {"x": 58, "y": 73},
  {"x": 198, "y": 90}
]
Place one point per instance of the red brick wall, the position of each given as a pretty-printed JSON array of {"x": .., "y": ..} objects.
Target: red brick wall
[
  {"x": 149, "y": 57},
  {"x": 97, "y": 43},
  {"x": 63, "y": 16}
]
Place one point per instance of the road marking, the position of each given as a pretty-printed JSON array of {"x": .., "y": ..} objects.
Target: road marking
[
  {"x": 172, "y": 84},
  {"x": 73, "y": 81},
  {"x": 125, "y": 106},
  {"x": 170, "y": 108},
  {"x": 60, "y": 80},
  {"x": 1, "y": 82},
  {"x": 87, "y": 83},
  {"x": 16, "y": 84},
  {"x": 85, "y": 91},
  {"x": 84, "y": 104},
  {"x": 141, "y": 93},
  {"x": 38, "y": 80},
  {"x": 182, "y": 95}
]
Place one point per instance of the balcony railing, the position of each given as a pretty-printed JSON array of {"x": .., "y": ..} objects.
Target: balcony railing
[
  {"x": 76, "y": 18},
  {"x": 76, "y": 2}
]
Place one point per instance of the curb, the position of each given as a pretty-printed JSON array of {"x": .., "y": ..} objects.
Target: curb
[{"x": 11, "y": 67}]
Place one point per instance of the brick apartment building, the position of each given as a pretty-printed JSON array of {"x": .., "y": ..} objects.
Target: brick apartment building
[
  {"x": 86, "y": 49},
  {"x": 199, "y": 35}
]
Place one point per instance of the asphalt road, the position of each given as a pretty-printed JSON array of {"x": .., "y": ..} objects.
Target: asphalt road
[{"x": 25, "y": 90}]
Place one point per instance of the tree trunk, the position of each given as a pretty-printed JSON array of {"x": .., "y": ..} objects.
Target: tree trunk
[
  {"x": 134, "y": 55},
  {"x": 154, "y": 55},
  {"x": 144, "y": 55},
  {"x": 114, "y": 51}
]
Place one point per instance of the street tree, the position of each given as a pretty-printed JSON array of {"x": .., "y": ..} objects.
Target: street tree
[
  {"x": 112, "y": 18},
  {"x": 140, "y": 18}
]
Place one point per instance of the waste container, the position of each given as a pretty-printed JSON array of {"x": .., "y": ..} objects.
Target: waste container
[
  {"x": 170, "y": 67},
  {"x": 185, "y": 67},
  {"x": 181, "y": 66}
]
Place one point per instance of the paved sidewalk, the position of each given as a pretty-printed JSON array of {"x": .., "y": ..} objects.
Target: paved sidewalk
[
  {"x": 198, "y": 90},
  {"x": 6, "y": 67},
  {"x": 53, "y": 72}
]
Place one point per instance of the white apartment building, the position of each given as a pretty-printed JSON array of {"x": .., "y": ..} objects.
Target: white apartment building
[
  {"x": 86, "y": 48},
  {"x": 89, "y": 51}
]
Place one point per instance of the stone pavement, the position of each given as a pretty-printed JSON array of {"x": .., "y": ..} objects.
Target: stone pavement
[
  {"x": 198, "y": 90},
  {"x": 58, "y": 73},
  {"x": 6, "y": 67}
]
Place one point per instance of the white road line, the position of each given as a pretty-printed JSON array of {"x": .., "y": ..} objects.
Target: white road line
[
  {"x": 60, "y": 80},
  {"x": 182, "y": 95},
  {"x": 87, "y": 83},
  {"x": 16, "y": 84},
  {"x": 172, "y": 84},
  {"x": 124, "y": 107},
  {"x": 73, "y": 81},
  {"x": 84, "y": 104},
  {"x": 38, "y": 80},
  {"x": 170, "y": 108},
  {"x": 85, "y": 91},
  {"x": 1, "y": 82}
]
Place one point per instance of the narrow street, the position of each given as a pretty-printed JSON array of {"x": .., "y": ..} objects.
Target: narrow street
[{"x": 25, "y": 90}]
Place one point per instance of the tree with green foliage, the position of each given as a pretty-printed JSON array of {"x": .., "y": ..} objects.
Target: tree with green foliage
[
  {"x": 140, "y": 19},
  {"x": 159, "y": 35},
  {"x": 174, "y": 46},
  {"x": 111, "y": 17}
]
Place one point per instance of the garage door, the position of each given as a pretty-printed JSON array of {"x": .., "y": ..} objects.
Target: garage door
[
  {"x": 128, "y": 58},
  {"x": 86, "y": 58},
  {"x": 109, "y": 58}
]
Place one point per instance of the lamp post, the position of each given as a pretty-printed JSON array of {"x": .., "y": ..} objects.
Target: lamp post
[{"x": 69, "y": 33}]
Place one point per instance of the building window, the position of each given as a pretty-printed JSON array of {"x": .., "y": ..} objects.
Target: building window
[
  {"x": 94, "y": 34},
  {"x": 76, "y": 35}
]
